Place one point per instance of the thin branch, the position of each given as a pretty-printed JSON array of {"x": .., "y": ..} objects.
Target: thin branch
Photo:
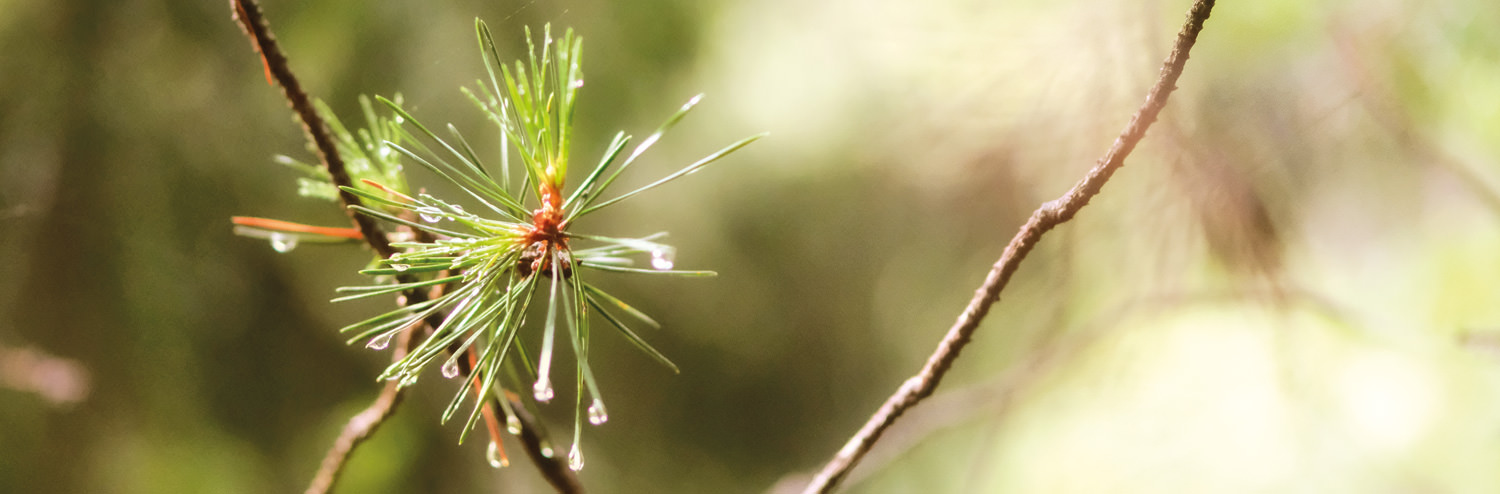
[
  {"x": 361, "y": 425},
  {"x": 1047, "y": 216},
  {"x": 248, "y": 14}
]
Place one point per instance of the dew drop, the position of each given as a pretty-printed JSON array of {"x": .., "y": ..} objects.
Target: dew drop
[
  {"x": 379, "y": 342},
  {"x": 407, "y": 381},
  {"x": 450, "y": 369},
  {"x": 513, "y": 425},
  {"x": 400, "y": 267},
  {"x": 597, "y": 415},
  {"x": 577, "y": 83},
  {"x": 283, "y": 243},
  {"x": 575, "y": 458},
  {"x": 459, "y": 209},
  {"x": 542, "y": 391},
  {"x": 497, "y": 460},
  {"x": 662, "y": 258},
  {"x": 547, "y": 451},
  {"x": 430, "y": 215}
]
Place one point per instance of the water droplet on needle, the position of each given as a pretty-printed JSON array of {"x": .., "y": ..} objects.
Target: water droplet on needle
[
  {"x": 450, "y": 369},
  {"x": 542, "y": 391},
  {"x": 575, "y": 458},
  {"x": 597, "y": 414},
  {"x": 662, "y": 258},
  {"x": 496, "y": 458},
  {"x": 283, "y": 243},
  {"x": 379, "y": 342}
]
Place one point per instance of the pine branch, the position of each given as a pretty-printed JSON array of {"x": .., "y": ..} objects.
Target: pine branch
[
  {"x": 1046, "y": 217},
  {"x": 248, "y": 14}
]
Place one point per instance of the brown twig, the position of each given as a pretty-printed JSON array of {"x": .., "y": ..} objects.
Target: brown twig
[
  {"x": 360, "y": 426},
  {"x": 1047, "y": 216},
  {"x": 247, "y": 13}
]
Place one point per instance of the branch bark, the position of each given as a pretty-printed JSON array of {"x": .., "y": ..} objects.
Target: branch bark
[
  {"x": 1045, "y": 218},
  {"x": 248, "y": 15}
]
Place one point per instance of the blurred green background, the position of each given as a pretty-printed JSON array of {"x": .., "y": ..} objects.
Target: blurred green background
[{"x": 1293, "y": 285}]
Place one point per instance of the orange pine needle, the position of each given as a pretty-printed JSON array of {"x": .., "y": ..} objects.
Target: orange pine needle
[
  {"x": 387, "y": 190},
  {"x": 287, "y": 226},
  {"x": 490, "y": 421},
  {"x": 239, "y": 11}
]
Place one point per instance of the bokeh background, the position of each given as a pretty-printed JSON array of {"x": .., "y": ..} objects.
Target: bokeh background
[{"x": 1293, "y": 286}]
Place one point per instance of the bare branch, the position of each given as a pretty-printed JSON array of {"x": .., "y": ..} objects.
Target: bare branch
[
  {"x": 360, "y": 426},
  {"x": 1047, "y": 216}
]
